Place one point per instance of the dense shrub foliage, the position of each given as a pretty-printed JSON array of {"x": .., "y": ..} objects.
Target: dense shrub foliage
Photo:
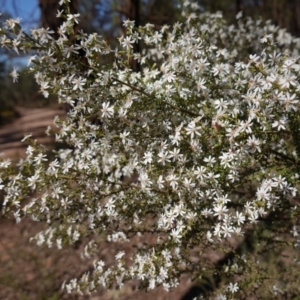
[{"x": 199, "y": 150}]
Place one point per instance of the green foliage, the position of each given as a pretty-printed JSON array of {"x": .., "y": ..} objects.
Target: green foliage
[{"x": 23, "y": 93}]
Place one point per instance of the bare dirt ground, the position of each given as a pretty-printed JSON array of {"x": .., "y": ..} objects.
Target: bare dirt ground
[
  {"x": 31, "y": 121},
  {"x": 30, "y": 272}
]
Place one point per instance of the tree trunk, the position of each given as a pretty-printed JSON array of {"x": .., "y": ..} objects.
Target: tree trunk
[
  {"x": 49, "y": 10},
  {"x": 132, "y": 8}
]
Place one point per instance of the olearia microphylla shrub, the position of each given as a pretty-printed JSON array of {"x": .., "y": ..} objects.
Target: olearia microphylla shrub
[{"x": 197, "y": 150}]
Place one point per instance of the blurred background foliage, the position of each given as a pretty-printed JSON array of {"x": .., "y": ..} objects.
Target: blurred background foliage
[{"x": 23, "y": 93}]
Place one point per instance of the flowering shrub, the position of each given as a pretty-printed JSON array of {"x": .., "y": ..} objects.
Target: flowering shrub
[{"x": 198, "y": 150}]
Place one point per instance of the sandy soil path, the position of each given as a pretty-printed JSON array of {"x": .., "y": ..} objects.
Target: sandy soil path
[{"x": 32, "y": 121}]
